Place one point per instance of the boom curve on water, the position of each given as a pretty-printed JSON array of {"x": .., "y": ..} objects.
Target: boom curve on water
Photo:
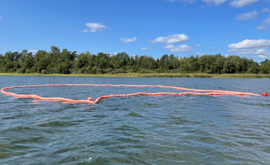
[{"x": 90, "y": 100}]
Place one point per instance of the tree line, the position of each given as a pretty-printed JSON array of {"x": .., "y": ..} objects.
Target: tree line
[{"x": 67, "y": 62}]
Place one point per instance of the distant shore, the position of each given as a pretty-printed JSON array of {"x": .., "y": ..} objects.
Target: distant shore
[{"x": 188, "y": 75}]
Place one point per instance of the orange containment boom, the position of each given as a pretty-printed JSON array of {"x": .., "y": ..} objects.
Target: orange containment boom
[{"x": 90, "y": 100}]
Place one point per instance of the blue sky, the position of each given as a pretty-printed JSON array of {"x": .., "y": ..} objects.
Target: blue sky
[{"x": 138, "y": 27}]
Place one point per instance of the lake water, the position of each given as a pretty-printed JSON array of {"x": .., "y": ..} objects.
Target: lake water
[{"x": 135, "y": 130}]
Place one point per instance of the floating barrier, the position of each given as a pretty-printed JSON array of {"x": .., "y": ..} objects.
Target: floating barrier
[{"x": 90, "y": 100}]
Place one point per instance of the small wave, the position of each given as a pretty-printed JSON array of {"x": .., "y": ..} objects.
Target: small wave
[
  {"x": 134, "y": 114},
  {"x": 55, "y": 123}
]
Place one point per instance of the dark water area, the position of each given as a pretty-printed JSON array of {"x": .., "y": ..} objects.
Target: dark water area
[{"x": 135, "y": 130}]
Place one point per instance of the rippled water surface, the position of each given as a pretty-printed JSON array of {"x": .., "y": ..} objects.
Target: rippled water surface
[{"x": 135, "y": 130}]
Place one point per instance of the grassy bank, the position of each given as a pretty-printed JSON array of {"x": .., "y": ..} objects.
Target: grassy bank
[{"x": 190, "y": 75}]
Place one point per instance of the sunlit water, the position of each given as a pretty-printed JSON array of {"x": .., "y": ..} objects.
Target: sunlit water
[{"x": 135, "y": 130}]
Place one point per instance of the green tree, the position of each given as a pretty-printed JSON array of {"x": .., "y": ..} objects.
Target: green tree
[
  {"x": 83, "y": 60},
  {"x": 65, "y": 67}
]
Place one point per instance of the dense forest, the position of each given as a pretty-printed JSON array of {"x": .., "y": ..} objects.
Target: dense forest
[{"x": 67, "y": 62}]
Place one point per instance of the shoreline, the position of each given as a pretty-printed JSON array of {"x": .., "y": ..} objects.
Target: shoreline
[{"x": 168, "y": 75}]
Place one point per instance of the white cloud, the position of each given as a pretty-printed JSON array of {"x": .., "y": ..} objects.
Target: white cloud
[
  {"x": 250, "y": 51},
  {"x": 151, "y": 41},
  {"x": 200, "y": 54},
  {"x": 198, "y": 45},
  {"x": 262, "y": 56},
  {"x": 93, "y": 27},
  {"x": 234, "y": 3},
  {"x": 250, "y": 44},
  {"x": 171, "y": 39},
  {"x": 144, "y": 48},
  {"x": 264, "y": 24},
  {"x": 179, "y": 48},
  {"x": 32, "y": 50},
  {"x": 114, "y": 53},
  {"x": 189, "y": 1},
  {"x": 242, "y": 3},
  {"x": 247, "y": 16},
  {"x": 213, "y": 48},
  {"x": 265, "y": 10},
  {"x": 267, "y": 21},
  {"x": 262, "y": 27},
  {"x": 251, "y": 47},
  {"x": 0, "y": 17},
  {"x": 168, "y": 47},
  {"x": 84, "y": 30},
  {"x": 262, "y": 51},
  {"x": 182, "y": 48},
  {"x": 127, "y": 40},
  {"x": 214, "y": 2}
]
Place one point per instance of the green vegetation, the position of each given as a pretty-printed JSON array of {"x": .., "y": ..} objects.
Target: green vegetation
[
  {"x": 187, "y": 75},
  {"x": 123, "y": 65}
]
